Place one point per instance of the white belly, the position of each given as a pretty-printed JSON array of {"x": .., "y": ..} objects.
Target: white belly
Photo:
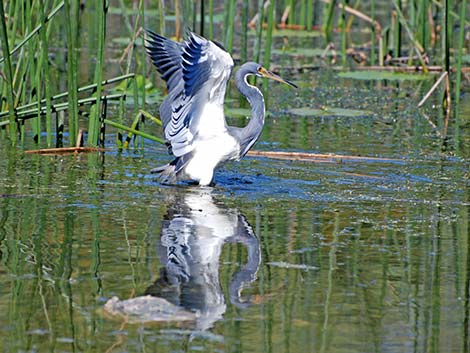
[{"x": 208, "y": 154}]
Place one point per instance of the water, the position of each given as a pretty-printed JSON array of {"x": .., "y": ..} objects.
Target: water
[{"x": 280, "y": 256}]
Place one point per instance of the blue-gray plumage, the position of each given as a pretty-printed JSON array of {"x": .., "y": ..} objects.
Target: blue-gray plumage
[{"x": 197, "y": 72}]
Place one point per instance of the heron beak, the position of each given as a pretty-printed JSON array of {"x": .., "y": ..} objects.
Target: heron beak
[{"x": 273, "y": 76}]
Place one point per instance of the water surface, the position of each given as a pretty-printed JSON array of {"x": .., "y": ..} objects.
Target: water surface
[{"x": 280, "y": 256}]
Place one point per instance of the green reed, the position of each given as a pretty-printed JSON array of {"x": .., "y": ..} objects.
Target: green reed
[
  {"x": 211, "y": 19},
  {"x": 269, "y": 38},
  {"x": 100, "y": 22},
  {"x": 230, "y": 26},
  {"x": 328, "y": 23},
  {"x": 309, "y": 20},
  {"x": 244, "y": 33},
  {"x": 259, "y": 31},
  {"x": 26, "y": 76},
  {"x": 71, "y": 27},
  {"x": 458, "y": 78},
  {"x": 46, "y": 74},
  {"x": 8, "y": 74}
]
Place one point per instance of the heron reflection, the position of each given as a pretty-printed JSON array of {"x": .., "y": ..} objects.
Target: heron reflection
[{"x": 193, "y": 233}]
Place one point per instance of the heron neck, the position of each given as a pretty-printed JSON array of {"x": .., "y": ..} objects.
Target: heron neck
[{"x": 251, "y": 132}]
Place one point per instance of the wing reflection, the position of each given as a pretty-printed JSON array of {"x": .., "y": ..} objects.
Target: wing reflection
[{"x": 193, "y": 233}]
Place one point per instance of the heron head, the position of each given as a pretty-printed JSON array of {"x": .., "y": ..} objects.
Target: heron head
[{"x": 262, "y": 72}]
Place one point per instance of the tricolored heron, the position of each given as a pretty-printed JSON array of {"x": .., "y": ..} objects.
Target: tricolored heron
[{"x": 196, "y": 72}]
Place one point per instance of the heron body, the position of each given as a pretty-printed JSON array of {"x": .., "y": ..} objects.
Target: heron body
[{"x": 197, "y": 72}]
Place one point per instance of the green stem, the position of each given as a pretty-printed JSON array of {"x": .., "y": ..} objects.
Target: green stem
[
  {"x": 244, "y": 35},
  {"x": 211, "y": 19},
  {"x": 46, "y": 78},
  {"x": 269, "y": 38},
  {"x": 416, "y": 46},
  {"x": 327, "y": 27},
  {"x": 34, "y": 31},
  {"x": 94, "y": 125},
  {"x": 31, "y": 113},
  {"x": 64, "y": 94},
  {"x": 9, "y": 77},
  {"x": 134, "y": 131},
  {"x": 230, "y": 26},
  {"x": 71, "y": 76},
  {"x": 459, "y": 71}
]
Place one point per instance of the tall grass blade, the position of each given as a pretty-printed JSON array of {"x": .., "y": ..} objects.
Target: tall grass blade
[
  {"x": 416, "y": 45},
  {"x": 230, "y": 25},
  {"x": 458, "y": 78},
  {"x": 446, "y": 36},
  {"x": 94, "y": 123},
  {"x": 133, "y": 131},
  {"x": 269, "y": 39},
  {"x": 397, "y": 33},
  {"x": 35, "y": 30},
  {"x": 328, "y": 14},
  {"x": 259, "y": 31},
  {"x": 244, "y": 32},
  {"x": 303, "y": 13},
  {"x": 31, "y": 113},
  {"x": 8, "y": 74},
  {"x": 46, "y": 78},
  {"x": 91, "y": 87},
  {"x": 71, "y": 27},
  {"x": 309, "y": 15},
  {"x": 343, "y": 33},
  {"x": 211, "y": 20},
  {"x": 292, "y": 13},
  {"x": 202, "y": 19},
  {"x": 161, "y": 13},
  {"x": 373, "y": 34}
]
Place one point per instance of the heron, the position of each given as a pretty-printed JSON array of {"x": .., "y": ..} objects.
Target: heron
[{"x": 196, "y": 72}]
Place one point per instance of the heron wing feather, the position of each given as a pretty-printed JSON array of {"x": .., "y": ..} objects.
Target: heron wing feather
[
  {"x": 196, "y": 72},
  {"x": 166, "y": 56}
]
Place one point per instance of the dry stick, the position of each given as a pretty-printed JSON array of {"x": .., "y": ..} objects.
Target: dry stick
[
  {"x": 446, "y": 122},
  {"x": 285, "y": 16},
  {"x": 360, "y": 15},
  {"x": 130, "y": 45},
  {"x": 79, "y": 139},
  {"x": 433, "y": 88},
  {"x": 66, "y": 150},
  {"x": 311, "y": 156}
]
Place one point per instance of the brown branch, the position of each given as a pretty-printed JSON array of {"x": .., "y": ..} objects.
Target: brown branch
[{"x": 315, "y": 157}]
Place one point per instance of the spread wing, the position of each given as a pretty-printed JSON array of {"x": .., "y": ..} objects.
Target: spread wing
[
  {"x": 196, "y": 72},
  {"x": 166, "y": 56}
]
